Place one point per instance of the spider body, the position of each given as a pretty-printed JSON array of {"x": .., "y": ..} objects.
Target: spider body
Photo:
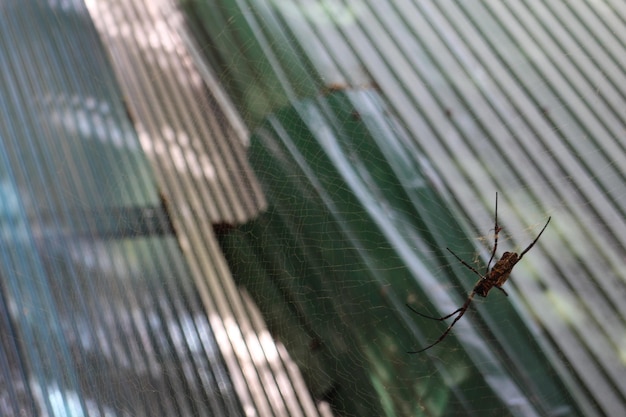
[
  {"x": 493, "y": 277},
  {"x": 498, "y": 275}
]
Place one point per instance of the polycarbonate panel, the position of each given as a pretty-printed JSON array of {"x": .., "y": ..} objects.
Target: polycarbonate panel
[
  {"x": 521, "y": 98},
  {"x": 196, "y": 144},
  {"x": 100, "y": 314}
]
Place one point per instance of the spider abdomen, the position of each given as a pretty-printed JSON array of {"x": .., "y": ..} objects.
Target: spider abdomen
[{"x": 498, "y": 275}]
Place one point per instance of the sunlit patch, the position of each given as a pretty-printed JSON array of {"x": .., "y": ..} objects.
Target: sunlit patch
[
  {"x": 568, "y": 309},
  {"x": 65, "y": 403},
  {"x": 322, "y": 12}
]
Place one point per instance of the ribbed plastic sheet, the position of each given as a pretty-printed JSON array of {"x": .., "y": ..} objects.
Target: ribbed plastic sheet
[
  {"x": 522, "y": 98},
  {"x": 196, "y": 144},
  {"x": 101, "y": 312},
  {"x": 333, "y": 283}
]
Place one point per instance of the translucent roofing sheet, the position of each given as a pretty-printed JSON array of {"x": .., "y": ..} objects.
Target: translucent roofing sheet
[
  {"x": 193, "y": 137},
  {"x": 196, "y": 144},
  {"x": 99, "y": 314},
  {"x": 342, "y": 273},
  {"x": 522, "y": 98}
]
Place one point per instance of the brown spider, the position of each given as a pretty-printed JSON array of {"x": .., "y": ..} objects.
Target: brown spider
[{"x": 494, "y": 277}]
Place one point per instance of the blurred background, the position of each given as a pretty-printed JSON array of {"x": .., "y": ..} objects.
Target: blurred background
[{"x": 224, "y": 207}]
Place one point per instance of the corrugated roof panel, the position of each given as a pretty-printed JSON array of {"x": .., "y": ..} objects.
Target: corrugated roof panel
[
  {"x": 195, "y": 142},
  {"x": 529, "y": 146},
  {"x": 101, "y": 311},
  {"x": 373, "y": 222},
  {"x": 524, "y": 98},
  {"x": 182, "y": 126}
]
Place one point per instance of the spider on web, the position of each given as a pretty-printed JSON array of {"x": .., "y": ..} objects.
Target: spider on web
[{"x": 492, "y": 278}]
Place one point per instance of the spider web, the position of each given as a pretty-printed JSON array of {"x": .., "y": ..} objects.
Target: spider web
[{"x": 380, "y": 132}]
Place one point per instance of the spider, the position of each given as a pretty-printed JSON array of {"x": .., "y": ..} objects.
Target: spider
[{"x": 492, "y": 278}]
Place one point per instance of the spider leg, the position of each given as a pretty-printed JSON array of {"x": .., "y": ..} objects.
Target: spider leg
[
  {"x": 468, "y": 266},
  {"x": 502, "y": 289},
  {"x": 461, "y": 311},
  {"x": 434, "y": 318},
  {"x": 533, "y": 242},
  {"x": 497, "y": 230}
]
